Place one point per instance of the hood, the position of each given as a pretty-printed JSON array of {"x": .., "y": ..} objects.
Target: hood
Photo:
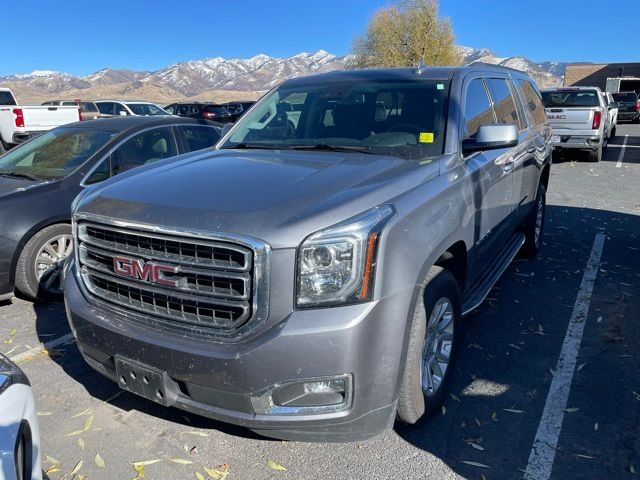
[{"x": 276, "y": 196}]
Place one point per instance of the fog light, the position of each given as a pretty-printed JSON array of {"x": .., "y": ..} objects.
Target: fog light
[{"x": 300, "y": 397}]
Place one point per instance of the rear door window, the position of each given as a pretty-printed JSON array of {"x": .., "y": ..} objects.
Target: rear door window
[
  {"x": 503, "y": 102},
  {"x": 532, "y": 102},
  {"x": 182, "y": 110},
  {"x": 477, "y": 108},
  {"x": 106, "y": 108}
]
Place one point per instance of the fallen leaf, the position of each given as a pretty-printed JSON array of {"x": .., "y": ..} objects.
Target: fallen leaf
[
  {"x": 81, "y": 443},
  {"x": 181, "y": 461},
  {"x": 84, "y": 412},
  {"x": 631, "y": 469},
  {"x": 88, "y": 423},
  {"x": 76, "y": 469},
  {"x": 146, "y": 462},
  {"x": 595, "y": 426},
  {"x": 571, "y": 410},
  {"x": 199, "y": 476},
  {"x": 51, "y": 459},
  {"x": 77, "y": 432},
  {"x": 478, "y": 422},
  {"x": 475, "y": 464},
  {"x": 52, "y": 469},
  {"x": 582, "y": 456},
  {"x": 139, "y": 468},
  {"x": 476, "y": 446},
  {"x": 219, "y": 473},
  {"x": 454, "y": 397},
  {"x": 444, "y": 410},
  {"x": 494, "y": 416},
  {"x": 275, "y": 465},
  {"x": 99, "y": 461},
  {"x": 512, "y": 410},
  {"x": 193, "y": 450},
  {"x": 44, "y": 414},
  {"x": 13, "y": 332},
  {"x": 581, "y": 366},
  {"x": 11, "y": 351}
]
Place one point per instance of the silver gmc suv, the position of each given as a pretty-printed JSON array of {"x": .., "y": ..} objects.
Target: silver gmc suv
[{"x": 308, "y": 278}]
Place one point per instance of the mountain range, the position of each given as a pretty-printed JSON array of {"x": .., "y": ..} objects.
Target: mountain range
[{"x": 218, "y": 79}]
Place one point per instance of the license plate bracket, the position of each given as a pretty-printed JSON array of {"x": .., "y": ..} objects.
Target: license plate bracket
[{"x": 142, "y": 380}]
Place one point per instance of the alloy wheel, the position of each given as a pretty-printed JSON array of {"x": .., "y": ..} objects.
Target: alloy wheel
[
  {"x": 436, "y": 353},
  {"x": 49, "y": 261}
]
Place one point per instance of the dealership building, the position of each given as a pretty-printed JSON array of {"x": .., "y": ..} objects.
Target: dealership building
[{"x": 596, "y": 74}]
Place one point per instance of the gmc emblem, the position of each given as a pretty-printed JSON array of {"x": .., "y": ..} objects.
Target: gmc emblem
[{"x": 147, "y": 271}]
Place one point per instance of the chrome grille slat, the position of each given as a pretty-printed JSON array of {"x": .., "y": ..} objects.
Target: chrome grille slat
[
  {"x": 217, "y": 282},
  {"x": 155, "y": 252}
]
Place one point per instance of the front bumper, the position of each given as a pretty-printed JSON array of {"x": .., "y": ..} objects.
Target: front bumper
[{"x": 217, "y": 380}]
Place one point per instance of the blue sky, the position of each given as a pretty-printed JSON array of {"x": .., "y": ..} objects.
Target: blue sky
[{"x": 82, "y": 36}]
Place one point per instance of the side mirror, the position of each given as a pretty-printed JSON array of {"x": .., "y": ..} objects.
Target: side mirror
[
  {"x": 491, "y": 137},
  {"x": 122, "y": 113},
  {"x": 613, "y": 105}
]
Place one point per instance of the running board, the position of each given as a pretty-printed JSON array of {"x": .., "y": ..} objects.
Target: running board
[{"x": 476, "y": 296}]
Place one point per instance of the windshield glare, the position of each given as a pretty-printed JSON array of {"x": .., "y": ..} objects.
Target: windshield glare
[
  {"x": 54, "y": 154},
  {"x": 397, "y": 118},
  {"x": 146, "y": 109}
]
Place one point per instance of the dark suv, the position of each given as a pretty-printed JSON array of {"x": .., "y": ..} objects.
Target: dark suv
[
  {"x": 237, "y": 109},
  {"x": 628, "y": 106},
  {"x": 208, "y": 111}
]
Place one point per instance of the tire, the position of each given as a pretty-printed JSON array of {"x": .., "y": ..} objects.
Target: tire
[
  {"x": 595, "y": 155},
  {"x": 40, "y": 263},
  {"x": 414, "y": 401},
  {"x": 534, "y": 227}
]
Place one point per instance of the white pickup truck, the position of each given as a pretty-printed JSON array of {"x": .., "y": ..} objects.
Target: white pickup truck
[
  {"x": 579, "y": 117},
  {"x": 19, "y": 123}
]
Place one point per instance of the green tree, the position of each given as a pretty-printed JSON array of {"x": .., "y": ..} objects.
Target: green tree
[{"x": 401, "y": 35}]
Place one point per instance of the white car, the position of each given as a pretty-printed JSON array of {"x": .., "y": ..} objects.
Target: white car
[
  {"x": 19, "y": 123},
  {"x": 20, "y": 457},
  {"x": 115, "y": 108},
  {"x": 612, "y": 109}
]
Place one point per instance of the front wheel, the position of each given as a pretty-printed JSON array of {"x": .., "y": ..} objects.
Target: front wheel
[
  {"x": 433, "y": 345},
  {"x": 40, "y": 263}
]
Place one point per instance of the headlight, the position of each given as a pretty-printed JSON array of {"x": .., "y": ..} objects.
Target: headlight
[
  {"x": 337, "y": 265},
  {"x": 10, "y": 374}
]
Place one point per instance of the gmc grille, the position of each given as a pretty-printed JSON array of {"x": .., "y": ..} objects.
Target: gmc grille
[{"x": 208, "y": 287}]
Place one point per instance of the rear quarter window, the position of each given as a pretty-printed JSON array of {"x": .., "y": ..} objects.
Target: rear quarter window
[
  {"x": 200, "y": 137},
  {"x": 532, "y": 102},
  {"x": 7, "y": 99}
]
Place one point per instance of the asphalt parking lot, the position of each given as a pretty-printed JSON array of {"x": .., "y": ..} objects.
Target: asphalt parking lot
[{"x": 566, "y": 323}]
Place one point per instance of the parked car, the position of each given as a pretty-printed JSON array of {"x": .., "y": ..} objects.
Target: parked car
[
  {"x": 612, "y": 111},
  {"x": 628, "y": 106},
  {"x": 40, "y": 179},
  {"x": 310, "y": 281},
  {"x": 20, "y": 452},
  {"x": 115, "y": 108},
  {"x": 208, "y": 111},
  {"x": 19, "y": 123},
  {"x": 237, "y": 109},
  {"x": 579, "y": 118},
  {"x": 88, "y": 110}
]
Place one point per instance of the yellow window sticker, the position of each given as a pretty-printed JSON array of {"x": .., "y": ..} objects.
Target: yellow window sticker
[{"x": 426, "y": 137}]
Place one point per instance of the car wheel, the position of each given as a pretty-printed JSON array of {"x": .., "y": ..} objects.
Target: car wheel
[
  {"x": 595, "y": 155},
  {"x": 433, "y": 346},
  {"x": 534, "y": 228},
  {"x": 40, "y": 263}
]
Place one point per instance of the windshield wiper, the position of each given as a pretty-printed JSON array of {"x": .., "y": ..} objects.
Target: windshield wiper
[
  {"x": 334, "y": 148},
  {"x": 20, "y": 175},
  {"x": 253, "y": 145}
]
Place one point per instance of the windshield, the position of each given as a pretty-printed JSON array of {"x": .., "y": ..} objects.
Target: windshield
[
  {"x": 400, "y": 118},
  {"x": 54, "y": 154},
  {"x": 583, "y": 98},
  {"x": 146, "y": 109},
  {"x": 625, "y": 97}
]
